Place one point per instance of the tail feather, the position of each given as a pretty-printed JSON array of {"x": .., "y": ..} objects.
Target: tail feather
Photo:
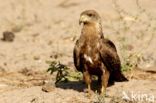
[{"x": 118, "y": 76}]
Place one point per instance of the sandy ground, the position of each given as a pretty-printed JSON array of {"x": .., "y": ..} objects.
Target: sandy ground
[
  {"x": 48, "y": 29},
  {"x": 29, "y": 89}
]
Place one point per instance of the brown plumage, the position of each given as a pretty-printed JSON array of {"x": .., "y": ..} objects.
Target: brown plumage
[{"x": 95, "y": 55}]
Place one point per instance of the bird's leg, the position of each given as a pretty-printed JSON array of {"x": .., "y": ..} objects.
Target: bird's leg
[
  {"x": 87, "y": 80},
  {"x": 104, "y": 80}
]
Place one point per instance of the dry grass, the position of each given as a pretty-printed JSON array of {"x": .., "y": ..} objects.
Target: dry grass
[{"x": 128, "y": 34}]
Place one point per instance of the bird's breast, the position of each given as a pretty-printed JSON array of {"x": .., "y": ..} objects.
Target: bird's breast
[
  {"x": 93, "y": 64},
  {"x": 88, "y": 59},
  {"x": 90, "y": 54}
]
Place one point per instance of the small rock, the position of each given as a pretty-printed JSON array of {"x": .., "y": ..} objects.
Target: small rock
[
  {"x": 48, "y": 87},
  {"x": 36, "y": 57},
  {"x": 8, "y": 36}
]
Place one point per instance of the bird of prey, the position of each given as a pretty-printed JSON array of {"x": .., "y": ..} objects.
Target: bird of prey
[{"x": 95, "y": 55}]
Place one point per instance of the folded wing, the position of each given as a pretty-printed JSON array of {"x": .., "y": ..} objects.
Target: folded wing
[{"x": 110, "y": 58}]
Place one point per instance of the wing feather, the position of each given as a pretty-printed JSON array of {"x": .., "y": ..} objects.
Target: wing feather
[
  {"x": 109, "y": 55},
  {"x": 110, "y": 58},
  {"x": 76, "y": 55}
]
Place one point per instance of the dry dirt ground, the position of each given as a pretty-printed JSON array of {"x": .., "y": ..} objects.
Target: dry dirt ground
[{"x": 46, "y": 30}]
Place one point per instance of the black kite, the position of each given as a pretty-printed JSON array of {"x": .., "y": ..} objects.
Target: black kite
[{"x": 95, "y": 55}]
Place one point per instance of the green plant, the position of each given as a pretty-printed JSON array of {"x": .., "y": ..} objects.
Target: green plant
[{"x": 63, "y": 73}]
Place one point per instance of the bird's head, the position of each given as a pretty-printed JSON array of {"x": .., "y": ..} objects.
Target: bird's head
[{"x": 89, "y": 17}]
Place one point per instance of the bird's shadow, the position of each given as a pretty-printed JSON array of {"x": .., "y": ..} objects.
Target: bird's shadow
[{"x": 79, "y": 85}]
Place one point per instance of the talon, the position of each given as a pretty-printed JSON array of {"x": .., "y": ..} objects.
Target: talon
[
  {"x": 88, "y": 93},
  {"x": 86, "y": 90}
]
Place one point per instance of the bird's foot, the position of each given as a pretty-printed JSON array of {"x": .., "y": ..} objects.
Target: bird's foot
[
  {"x": 88, "y": 92},
  {"x": 105, "y": 94}
]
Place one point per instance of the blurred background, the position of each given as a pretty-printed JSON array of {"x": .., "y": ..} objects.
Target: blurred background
[
  {"x": 35, "y": 32},
  {"x": 47, "y": 30}
]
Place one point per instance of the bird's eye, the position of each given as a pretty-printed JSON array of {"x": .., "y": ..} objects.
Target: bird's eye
[{"x": 90, "y": 15}]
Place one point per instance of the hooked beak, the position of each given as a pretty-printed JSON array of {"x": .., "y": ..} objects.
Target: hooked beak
[
  {"x": 80, "y": 22},
  {"x": 82, "y": 19}
]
